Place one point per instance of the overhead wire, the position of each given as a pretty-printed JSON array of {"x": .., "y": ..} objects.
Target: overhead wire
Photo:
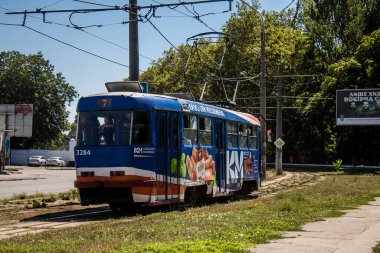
[
  {"x": 287, "y": 6},
  {"x": 147, "y": 17},
  {"x": 84, "y": 31},
  {"x": 89, "y": 26},
  {"x": 190, "y": 16},
  {"x": 92, "y": 3},
  {"x": 74, "y": 26},
  {"x": 51, "y": 4},
  {"x": 75, "y": 47},
  {"x": 162, "y": 35},
  {"x": 65, "y": 43}
]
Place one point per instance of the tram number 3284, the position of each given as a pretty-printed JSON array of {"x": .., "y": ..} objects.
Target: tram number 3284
[{"x": 83, "y": 152}]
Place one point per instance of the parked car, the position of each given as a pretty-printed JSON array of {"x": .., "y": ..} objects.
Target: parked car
[
  {"x": 37, "y": 160},
  {"x": 56, "y": 161}
]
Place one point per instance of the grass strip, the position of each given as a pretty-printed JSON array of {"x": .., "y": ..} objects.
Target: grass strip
[{"x": 230, "y": 227}]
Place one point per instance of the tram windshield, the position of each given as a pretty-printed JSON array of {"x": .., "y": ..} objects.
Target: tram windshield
[{"x": 104, "y": 128}]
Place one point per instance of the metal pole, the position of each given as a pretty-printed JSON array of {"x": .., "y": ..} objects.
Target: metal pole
[
  {"x": 2, "y": 158},
  {"x": 278, "y": 163},
  {"x": 263, "y": 94},
  {"x": 133, "y": 42}
]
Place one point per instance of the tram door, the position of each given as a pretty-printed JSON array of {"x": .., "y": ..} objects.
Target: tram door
[
  {"x": 220, "y": 153},
  {"x": 167, "y": 135}
]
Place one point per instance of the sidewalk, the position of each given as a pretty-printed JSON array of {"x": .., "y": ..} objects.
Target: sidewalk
[{"x": 358, "y": 231}]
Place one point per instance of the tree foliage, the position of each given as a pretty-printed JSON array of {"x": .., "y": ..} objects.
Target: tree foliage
[
  {"x": 338, "y": 40},
  {"x": 30, "y": 79}
]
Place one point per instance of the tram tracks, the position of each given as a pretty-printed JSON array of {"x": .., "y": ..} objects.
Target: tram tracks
[
  {"x": 290, "y": 181},
  {"x": 46, "y": 222},
  {"x": 73, "y": 218}
]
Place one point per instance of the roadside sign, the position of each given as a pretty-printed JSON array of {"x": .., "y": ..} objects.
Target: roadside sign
[
  {"x": 358, "y": 107},
  {"x": 144, "y": 87},
  {"x": 279, "y": 143}
]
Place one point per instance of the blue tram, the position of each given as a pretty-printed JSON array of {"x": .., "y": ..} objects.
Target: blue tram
[{"x": 137, "y": 148}]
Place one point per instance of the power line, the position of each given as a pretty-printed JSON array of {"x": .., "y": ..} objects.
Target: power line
[
  {"x": 77, "y": 48},
  {"x": 77, "y": 29},
  {"x": 288, "y": 6},
  {"x": 119, "y": 8},
  {"x": 273, "y": 107},
  {"x": 163, "y": 36},
  {"x": 133, "y": 9},
  {"x": 67, "y": 44},
  {"x": 286, "y": 97},
  {"x": 52, "y": 4},
  {"x": 100, "y": 25},
  {"x": 8, "y": 24},
  {"x": 193, "y": 17},
  {"x": 98, "y": 4},
  {"x": 112, "y": 43}
]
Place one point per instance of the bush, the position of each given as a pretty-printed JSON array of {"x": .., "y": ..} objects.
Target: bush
[{"x": 337, "y": 165}]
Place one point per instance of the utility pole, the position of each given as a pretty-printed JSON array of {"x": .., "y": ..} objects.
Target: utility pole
[
  {"x": 263, "y": 95},
  {"x": 278, "y": 164},
  {"x": 263, "y": 98},
  {"x": 134, "y": 64}
]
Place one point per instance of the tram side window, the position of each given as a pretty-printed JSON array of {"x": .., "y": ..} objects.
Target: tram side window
[
  {"x": 190, "y": 129},
  {"x": 140, "y": 128},
  {"x": 232, "y": 134},
  {"x": 252, "y": 137},
  {"x": 205, "y": 131},
  {"x": 243, "y": 134}
]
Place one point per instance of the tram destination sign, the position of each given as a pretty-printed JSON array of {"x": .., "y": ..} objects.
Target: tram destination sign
[{"x": 358, "y": 107}]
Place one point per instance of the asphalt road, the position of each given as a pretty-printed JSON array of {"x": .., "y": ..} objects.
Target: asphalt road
[{"x": 32, "y": 180}]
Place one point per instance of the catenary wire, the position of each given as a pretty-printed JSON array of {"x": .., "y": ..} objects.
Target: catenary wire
[
  {"x": 187, "y": 15},
  {"x": 75, "y": 47},
  {"x": 163, "y": 36},
  {"x": 57, "y": 2},
  {"x": 82, "y": 30},
  {"x": 68, "y": 44},
  {"x": 98, "y": 4}
]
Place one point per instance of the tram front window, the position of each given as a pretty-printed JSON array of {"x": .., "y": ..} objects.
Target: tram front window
[{"x": 104, "y": 128}]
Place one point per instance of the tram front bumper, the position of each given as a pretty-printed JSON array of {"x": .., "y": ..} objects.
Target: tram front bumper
[{"x": 114, "y": 184}]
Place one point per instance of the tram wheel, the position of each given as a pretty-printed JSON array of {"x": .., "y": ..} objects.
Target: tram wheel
[
  {"x": 173, "y": 206},
  {"x": 191, "y": 197}
]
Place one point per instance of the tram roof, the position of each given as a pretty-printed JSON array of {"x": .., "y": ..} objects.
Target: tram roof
[{"x": 133, "y": 100}]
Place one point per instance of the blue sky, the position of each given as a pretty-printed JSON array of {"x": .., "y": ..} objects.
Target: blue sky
[{"x": 86, "y": 72}]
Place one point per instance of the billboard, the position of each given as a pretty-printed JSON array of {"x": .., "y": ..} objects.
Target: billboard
[
  {"x": 16, "y": 120},
  {"x": 358, "y": 107}
]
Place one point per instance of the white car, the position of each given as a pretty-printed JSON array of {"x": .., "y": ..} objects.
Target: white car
[
  {"x": 56, "y": 161},
  {"x": 37, "y": 160}
]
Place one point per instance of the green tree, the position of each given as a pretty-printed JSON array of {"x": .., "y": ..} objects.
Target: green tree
[
  {"x": 344, "y": 40},
  {"x": 30, "y": 79},
  {"x": 362, "y": 70},
  {"x": 63, "y": 142},
  {"x": 339, "y": 39}
]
